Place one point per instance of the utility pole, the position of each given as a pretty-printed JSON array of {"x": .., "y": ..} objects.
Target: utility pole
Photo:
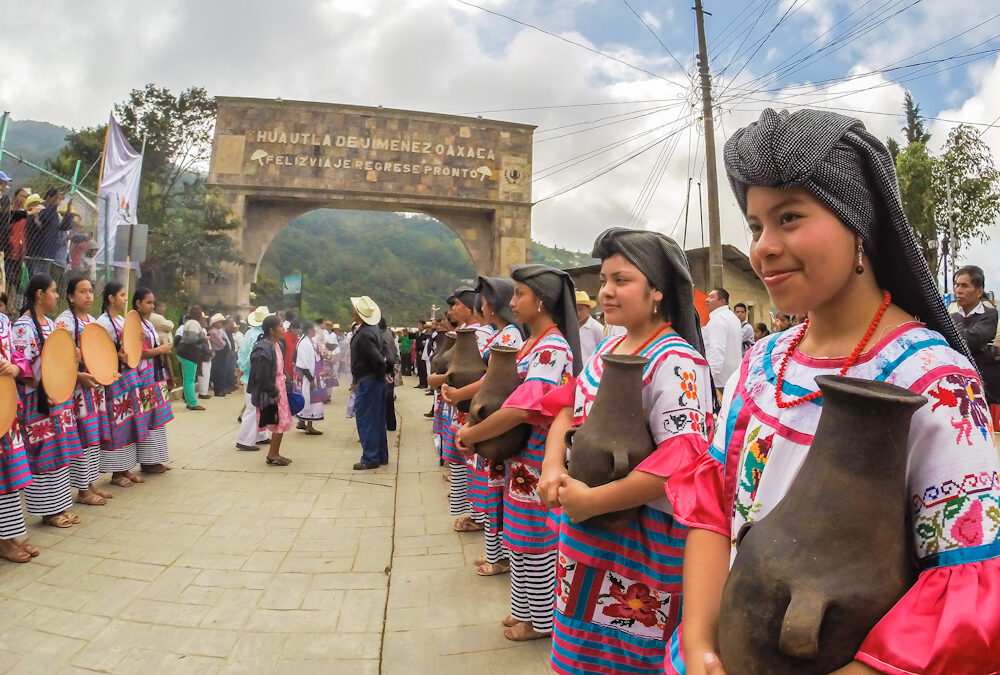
[{"x": 714, "y": 229}]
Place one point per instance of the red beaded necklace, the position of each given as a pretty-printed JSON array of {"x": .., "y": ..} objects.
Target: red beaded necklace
[
  {"x": 528, "y": 346},
  {"x": 847, "y": 364},
  {"x": 645, "y": 344}
]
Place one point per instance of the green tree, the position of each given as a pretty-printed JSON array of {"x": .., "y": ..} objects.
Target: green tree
[
  {"x": 914, "y": 131},
  {"x": 86, "y": 146},
  {"x": 967, "y": 164}
]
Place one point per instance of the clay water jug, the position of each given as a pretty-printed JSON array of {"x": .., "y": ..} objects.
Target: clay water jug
[
  {"x": 500, "y": 382},
  {"x": 467, "y": 365},
  {"x": 441, "y": 360},
  {"x": 813, "y": 577},
  {"x": 614, "y": 438}
]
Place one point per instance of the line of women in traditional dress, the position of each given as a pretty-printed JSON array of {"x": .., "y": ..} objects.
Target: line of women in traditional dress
[
  {"x": 55, "y": 448},
  {"x": 829, "y": 241}
]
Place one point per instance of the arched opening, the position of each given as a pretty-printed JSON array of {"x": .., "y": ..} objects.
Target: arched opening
[{"x": 406, "y": 262}]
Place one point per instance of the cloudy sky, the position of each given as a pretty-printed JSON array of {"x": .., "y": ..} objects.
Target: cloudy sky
[{"x": 604, "y": 80}]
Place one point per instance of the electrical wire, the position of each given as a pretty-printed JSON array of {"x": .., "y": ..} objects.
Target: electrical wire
[
  {"x": 565, "y": 39},
  {"x": 653, "y": 33}
]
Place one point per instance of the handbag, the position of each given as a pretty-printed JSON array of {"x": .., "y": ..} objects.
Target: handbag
[{"x": 189, "y": 351}]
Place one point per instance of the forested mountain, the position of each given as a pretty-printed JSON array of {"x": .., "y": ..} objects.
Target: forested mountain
[
  {"x": 35, "y": 142},
  {"x": 405, "y": 262}
]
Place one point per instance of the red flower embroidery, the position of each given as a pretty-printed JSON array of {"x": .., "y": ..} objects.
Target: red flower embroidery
[
  {"x": 545, "y": 357},
  {"x": 634, "y": 604},
  {"x": 968, "y": 528},
  {"x": 522, "y": 480},
  {"x": 497, "y": 470}
]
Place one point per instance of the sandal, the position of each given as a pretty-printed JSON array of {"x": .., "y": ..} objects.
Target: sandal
[
  {"x": 510, "y": 622},
  {"x": 523, "y": 632},
  {"x": 121, "y": 481},
  {"x": 102, "y": 493},
  {"x": 90, "y": 499},
  {"x": 481, "y": 560},
  {"x": 73, "y": 518},
  {"x": 467, "y": 524},
  {"x": 154, "y": 468},
  {"x": 278, "y": 461},
  {"x": 134, "y": 478},
  {"x": 313, "y": 432},
  {"x": 491, "y": 570},
  {"x": 14, "y": 553},
  {"x": 60, "y": 520}
]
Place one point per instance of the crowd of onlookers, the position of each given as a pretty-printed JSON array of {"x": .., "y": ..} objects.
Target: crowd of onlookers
[{"x": 37, "y": 235}]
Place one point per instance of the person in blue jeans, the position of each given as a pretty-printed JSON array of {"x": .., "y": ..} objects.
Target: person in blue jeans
[{"x": 369, "y": 371}]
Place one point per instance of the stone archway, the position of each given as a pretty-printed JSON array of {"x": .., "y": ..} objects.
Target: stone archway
[{"x": 273, "y": 160}]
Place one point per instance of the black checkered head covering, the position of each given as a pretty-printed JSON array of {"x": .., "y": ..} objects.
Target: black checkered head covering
[
  {"x": 849, "y": 171},
  {"x": 556, "y": 291},
  {"x": 666, "y": 267}
]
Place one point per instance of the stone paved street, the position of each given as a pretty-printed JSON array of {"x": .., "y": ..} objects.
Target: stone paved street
[{"x": 228, "y": 565}]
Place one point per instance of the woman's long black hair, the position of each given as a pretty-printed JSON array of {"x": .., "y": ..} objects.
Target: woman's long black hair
[
  {"x": 70, "y": 290},
  {"x": 38, "y": 282},
  {"x": 111, "y": 289},
  {"x": 139, "y": 295}
]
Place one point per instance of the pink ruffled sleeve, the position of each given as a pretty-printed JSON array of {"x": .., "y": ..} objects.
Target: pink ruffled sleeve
[
  {"x": 948, "y": 623},
  {"x": 530, "y": 396},
  {"x": 559, "y": 398},
  {"x": 19, "y": 360},
  {"x": 696, "y": 493},
  {"x": 673, "y": 454}
]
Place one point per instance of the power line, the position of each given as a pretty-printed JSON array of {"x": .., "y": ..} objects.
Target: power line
[
  {"x": 788, "y": 12},
  {"x": 611, "y": 167},
  {"x": 599, "y": 126},
  {"x": 567, "y": 40},
  {"x": 653, "y": 33}
]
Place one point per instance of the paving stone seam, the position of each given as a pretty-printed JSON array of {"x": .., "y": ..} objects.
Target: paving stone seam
[{"x": 392, "y": 539}]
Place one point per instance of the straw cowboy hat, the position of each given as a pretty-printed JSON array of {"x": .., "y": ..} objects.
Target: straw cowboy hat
[
  {"x": 216, "y": 318},
  {"x": 367, "y": 310},
  {"x": 256, "y": 317},
  {"x": 583, "y": 298}
]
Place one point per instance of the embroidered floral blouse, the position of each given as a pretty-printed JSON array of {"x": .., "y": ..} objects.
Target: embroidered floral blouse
[
  {"x": 25, "y": 340},
  {"x": 949, "y": 621}
]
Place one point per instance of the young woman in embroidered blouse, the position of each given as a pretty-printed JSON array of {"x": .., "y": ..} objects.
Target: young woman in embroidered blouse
[
  {"x": 88, "y": 398},
  {"x": 48, "y": 430},
  {"x": 486, "y": 479},
  {"x": 830, "y": 240},
  {"x": 152, "y": 452},
  {"x": 127, "y": 421},
  {"x": 545, "y": 300},
  {"x": 618, "y": 593},
  {"x": 15, "y": 471}
]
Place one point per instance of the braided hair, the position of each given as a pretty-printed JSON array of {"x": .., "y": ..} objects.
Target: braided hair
[{"x": 38, "y": 282}]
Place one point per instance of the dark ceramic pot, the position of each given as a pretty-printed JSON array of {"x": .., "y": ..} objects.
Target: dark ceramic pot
[
  {"x": 614, "y": 439},
  {"x": 441, "y": 359},
  {"x": 501, "y": 381},
  {"x": 814, "y": 576},
  {"x": 467, "y": 365}
]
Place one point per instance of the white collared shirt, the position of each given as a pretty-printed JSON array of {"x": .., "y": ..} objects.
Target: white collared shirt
[
  {"x": 723, "y": 344},
  {"x": 591, "y": 333},
  {"x": 978, "y": 309}
]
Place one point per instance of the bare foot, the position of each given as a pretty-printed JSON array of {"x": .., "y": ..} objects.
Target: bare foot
[{"x": 523, "y": 632}]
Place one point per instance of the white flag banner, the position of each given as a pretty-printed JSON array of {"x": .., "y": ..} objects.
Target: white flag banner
[{"x": 119, "y": 189}]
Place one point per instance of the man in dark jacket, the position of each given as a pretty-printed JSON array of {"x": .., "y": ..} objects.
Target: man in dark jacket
[
  {"x": 368, "y": 368},
  {"x": 423, "y": 334},
  {"x": 46, "y": 239},
  {"x": 977, "y": 323}
]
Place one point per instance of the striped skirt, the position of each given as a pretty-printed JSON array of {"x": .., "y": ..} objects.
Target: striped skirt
[
  {"x": 124, "y": 422},
  {"x": 440, "y": 421},
  {"x": 153, "y": 448},
  {"x": 118, "y": 460},
  {"x": 618, "y": 594},
  {"x": 86, "y": 468},
  {"x": 486, "y": 483},
  {"x": 11, "y": 516},
  {"x": 89, "y": 407},
  {"x": 448, "y": 450},
  {"x": 153, "y": 401},
  {"x": 524, "y": 515},
  {"x": 50, "y": 441},
  {"x": 49, "y": 493},
  {"x": 15, "y": 472}
]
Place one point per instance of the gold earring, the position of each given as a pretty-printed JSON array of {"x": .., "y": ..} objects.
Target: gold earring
[{"x": 860, "y": 269}]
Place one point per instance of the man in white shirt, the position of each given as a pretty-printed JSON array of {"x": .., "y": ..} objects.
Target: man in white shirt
[
  {"x": 591, "y": 330},
  {"x": 723, "y": 337},
  {"x": 746, "y": 330}
]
